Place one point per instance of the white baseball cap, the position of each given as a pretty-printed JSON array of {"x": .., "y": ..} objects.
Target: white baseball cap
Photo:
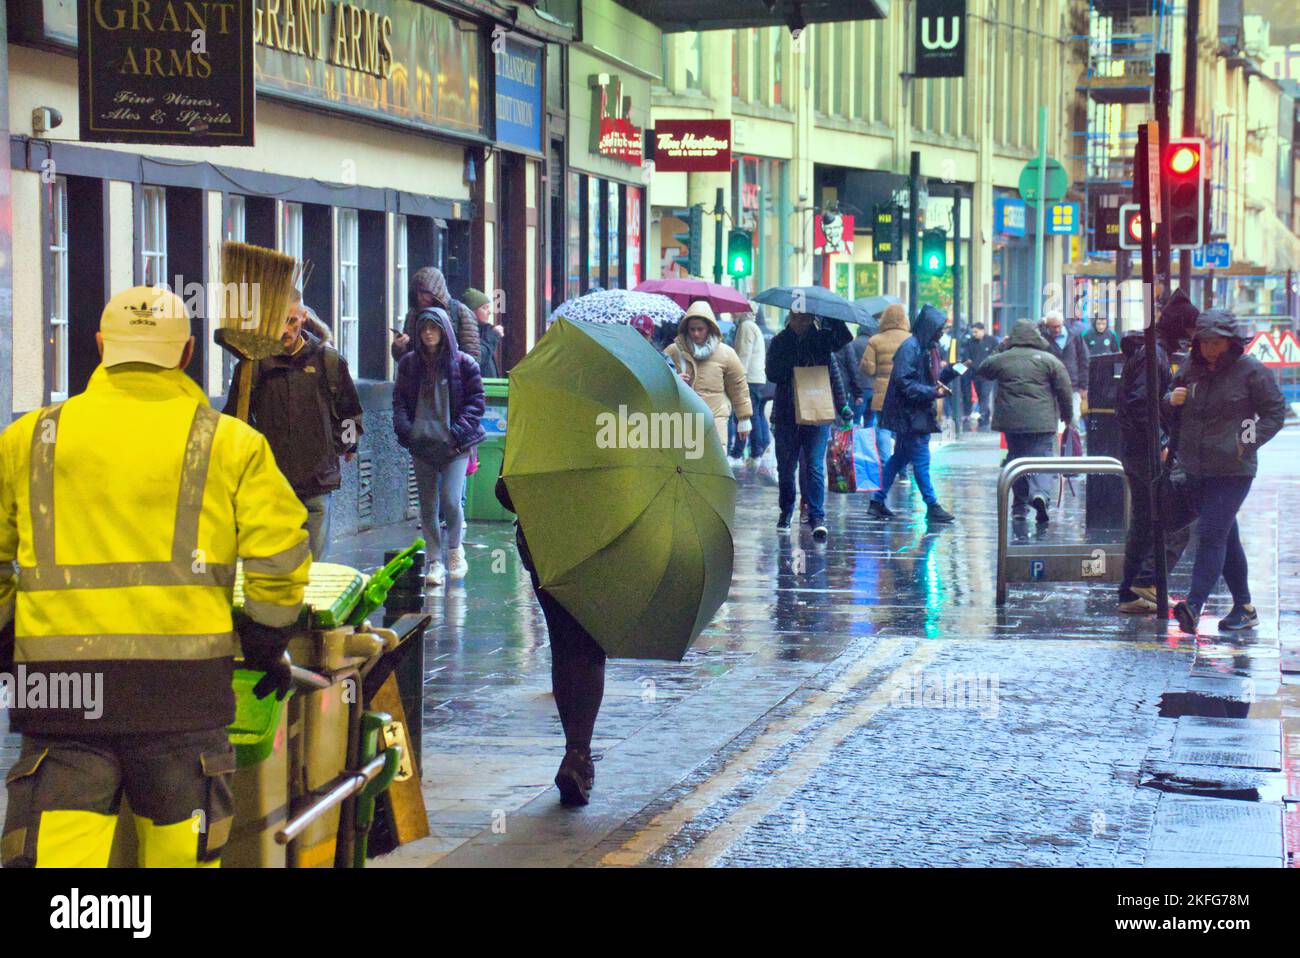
[{"x": 145, "y": 324}]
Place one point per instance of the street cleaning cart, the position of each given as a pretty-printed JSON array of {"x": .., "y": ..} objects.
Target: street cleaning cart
[{"x": 311, "y": 767}]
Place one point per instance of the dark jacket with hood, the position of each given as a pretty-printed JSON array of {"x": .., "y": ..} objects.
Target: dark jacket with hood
[
  {"x": 464, "y": 385},
  {"x": 431, "y": 278},
  {"x": 817, "y": 348},
  {"x": 1034, "y": 391},
  {"x": 975, "y": 351},
  {"x": 1074, "y": 354},
  {"x": 909, "y": 400},
  {"x": 291, "y": 406},
  {"x": 1176, "y": 324},
  {"x": 1232, "y": 407},
  {"x": 1100, "y": 342}
]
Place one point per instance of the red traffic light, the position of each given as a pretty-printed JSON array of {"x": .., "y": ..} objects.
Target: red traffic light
[
  {"x": 1184, "y": 158},
  {"x": 1135, "y": 228}
]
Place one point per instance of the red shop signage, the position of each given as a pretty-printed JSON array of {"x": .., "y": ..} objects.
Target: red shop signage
[
  {"x": 692, "y": 146},
  {"x": 620, "y": 140}
]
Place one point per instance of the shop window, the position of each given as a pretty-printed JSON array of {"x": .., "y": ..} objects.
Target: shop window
[
  {"x": 291, "y": 230},
  {"x": 573, "y": 221},
  {"x": 401, "y": 268},
  {"x": 614, "y": 249},
  {"x": 153, "y": 235},
  {"x": 348, "y": 292},
  {"x": 234, "y": 229},
  {"x": 59, "y": 288},
  {"x": 592, "y": 217},
  {"x": 233, "y": 220},
  {"x": 635, "y": 241}
]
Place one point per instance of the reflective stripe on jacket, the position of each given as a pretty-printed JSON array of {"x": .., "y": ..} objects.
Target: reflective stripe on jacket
[{"x": 126, "y": 509}]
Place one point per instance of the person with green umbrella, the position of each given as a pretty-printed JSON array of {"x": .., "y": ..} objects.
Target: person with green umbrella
[{"x": 626, "y": 508}]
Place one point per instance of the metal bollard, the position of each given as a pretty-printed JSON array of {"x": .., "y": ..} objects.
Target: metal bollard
[{"x": 1090, "y": 465}]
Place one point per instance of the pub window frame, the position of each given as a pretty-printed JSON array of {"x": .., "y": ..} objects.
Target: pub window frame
[
  {"x": 153, "y": 235},
  {"x": 60, "y": 291},
  {"x": 348, "y": 227}
]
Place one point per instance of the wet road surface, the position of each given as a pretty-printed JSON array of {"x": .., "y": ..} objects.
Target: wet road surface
[{"x": 863, "y": 702}]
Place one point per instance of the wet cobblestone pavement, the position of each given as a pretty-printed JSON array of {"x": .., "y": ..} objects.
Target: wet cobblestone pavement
[{"x": 864, "y": 702}]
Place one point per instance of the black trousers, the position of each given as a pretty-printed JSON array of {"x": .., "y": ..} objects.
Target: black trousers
[{"x": 1139, "y": 558}]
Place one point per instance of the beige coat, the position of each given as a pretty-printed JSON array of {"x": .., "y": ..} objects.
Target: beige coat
[
  {"x": 878, "y": 357},
  {"x": 719, "y": 380}
]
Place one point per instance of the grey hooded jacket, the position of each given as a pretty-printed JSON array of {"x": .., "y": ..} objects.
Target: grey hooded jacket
[{"x": 1034, "y": 391}]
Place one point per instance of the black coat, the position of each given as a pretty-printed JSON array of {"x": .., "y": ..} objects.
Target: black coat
[
  {"x": 1232, "y": 408},
  {"x": 817, "y": 348},
  {"x": 1131, "y": 403},
  {"x": 1074, "y": 355},
  {"x": 290, "y": 405},
  {"x": 909, "y": 401}
]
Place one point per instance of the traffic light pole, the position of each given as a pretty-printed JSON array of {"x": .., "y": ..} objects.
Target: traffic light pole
[
  {"x": 1190, "y": 58},
  {"x": 717, "y": 238},
  {"x": 1041, "y": 220},
  {"x": 1164, "y": 238},
  {"x": 913, "y": 238},
  {"x": 1152, "y": 371},
  {"x": 959, "y": 394}
]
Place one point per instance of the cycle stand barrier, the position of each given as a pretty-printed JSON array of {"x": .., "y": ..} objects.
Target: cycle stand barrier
[{"x": 1057, "y": 562}]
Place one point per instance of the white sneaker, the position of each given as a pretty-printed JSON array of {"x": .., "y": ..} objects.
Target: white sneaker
[
  {"x": 751, "y": 465},
  {"x": 456, "y": 564},
  {"x": 437, "y": 573}
]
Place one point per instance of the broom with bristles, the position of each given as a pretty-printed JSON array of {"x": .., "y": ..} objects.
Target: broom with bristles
[{"x": 256, "y": 287}]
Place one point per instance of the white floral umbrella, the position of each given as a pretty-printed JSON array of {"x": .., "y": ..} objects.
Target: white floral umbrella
[{"x": 618, "y": 306}]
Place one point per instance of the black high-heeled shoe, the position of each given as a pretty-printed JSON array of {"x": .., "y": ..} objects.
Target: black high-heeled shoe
[{"x": 576, "y": 777}]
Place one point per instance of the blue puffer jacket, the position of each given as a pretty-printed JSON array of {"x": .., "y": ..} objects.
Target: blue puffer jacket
[
  {"x": 909, "y": 401},
  {"x": 464, "y": 385}
]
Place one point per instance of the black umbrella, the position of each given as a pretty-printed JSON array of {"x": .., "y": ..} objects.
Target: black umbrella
[{"x": 814, "y": 300}]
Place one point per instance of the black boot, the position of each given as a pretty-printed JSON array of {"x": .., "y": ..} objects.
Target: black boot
[
  {"x": 937, "y": 513},
  {"x": 1040, "y": 510}
]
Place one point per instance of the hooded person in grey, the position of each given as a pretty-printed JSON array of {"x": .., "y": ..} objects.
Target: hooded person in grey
[
  {"x": 1034, "y": 394},
  {"x": 428, "y": 289},
  {"x": 1223, "y": 406}
]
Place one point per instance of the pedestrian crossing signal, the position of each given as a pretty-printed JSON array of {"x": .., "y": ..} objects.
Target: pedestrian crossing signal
[
  {"x": 934, "y": 252},
  {"x": 740, "y": 253}
]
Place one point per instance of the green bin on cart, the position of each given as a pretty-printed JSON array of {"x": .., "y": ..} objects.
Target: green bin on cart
[{"x": 480, "y": 492}]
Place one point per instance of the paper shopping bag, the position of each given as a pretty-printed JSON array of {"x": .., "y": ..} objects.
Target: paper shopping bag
[{"x": 813, "y": 403}]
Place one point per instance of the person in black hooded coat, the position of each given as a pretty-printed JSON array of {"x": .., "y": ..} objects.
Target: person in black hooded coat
[
  {"x": 1224, "y": 405},
  {"x": 1137, "y": 588},
  {"x": 915, "y": 383}
]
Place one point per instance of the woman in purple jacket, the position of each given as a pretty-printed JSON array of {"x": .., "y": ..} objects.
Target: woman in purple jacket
[{"x": 438, "y": 406}]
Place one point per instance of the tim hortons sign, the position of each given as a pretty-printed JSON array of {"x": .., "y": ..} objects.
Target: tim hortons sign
[{"x": 692, "y": 146}]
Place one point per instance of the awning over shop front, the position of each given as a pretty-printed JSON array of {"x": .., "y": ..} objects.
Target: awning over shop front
[{"x": 676, "y": 16}]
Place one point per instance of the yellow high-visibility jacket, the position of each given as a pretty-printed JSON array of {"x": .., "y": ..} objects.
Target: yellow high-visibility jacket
[{"x": 125, "y": 509}]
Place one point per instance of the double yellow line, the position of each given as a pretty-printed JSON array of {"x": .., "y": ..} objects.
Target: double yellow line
[{"x": 807, "y": 759}]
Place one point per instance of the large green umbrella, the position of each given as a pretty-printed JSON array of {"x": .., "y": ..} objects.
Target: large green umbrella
[{"x": 621, "y": 487}]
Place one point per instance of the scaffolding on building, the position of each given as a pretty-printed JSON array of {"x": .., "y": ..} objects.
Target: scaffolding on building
[{"x": 1119, "y": 40}]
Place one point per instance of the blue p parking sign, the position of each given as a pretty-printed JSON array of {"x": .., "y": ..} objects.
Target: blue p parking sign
[{"x": 1037, "y": 568}]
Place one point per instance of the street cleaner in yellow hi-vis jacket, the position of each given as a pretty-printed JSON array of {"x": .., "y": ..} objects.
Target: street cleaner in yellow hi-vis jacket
[{"x": 125, "y": 509}]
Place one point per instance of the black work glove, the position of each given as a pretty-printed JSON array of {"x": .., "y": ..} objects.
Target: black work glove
[{"x": 264, "y": 651}]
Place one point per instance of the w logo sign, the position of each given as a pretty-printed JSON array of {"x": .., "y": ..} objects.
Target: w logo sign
[
  {"x": 940, "y": 41},
  {"x": 947, "y": 33}
]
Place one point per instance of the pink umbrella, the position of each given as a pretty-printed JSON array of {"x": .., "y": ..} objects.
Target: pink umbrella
[{"x": 683, "y": 292}]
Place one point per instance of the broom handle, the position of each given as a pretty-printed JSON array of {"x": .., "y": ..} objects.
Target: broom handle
[{"x": 245, "y": 390}]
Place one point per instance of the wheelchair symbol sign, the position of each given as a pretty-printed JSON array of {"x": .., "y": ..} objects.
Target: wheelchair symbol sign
[{"x": 1037, "y": 568}]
